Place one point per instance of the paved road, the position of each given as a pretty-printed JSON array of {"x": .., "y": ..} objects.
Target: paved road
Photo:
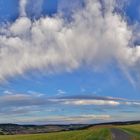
[{"x": 120, "y": 135}]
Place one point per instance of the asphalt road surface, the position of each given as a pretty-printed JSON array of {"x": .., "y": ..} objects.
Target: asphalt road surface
[{"x": 118, "y": 134}]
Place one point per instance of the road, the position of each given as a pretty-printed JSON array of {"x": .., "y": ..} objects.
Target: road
[{"x": 118, "y": 134}]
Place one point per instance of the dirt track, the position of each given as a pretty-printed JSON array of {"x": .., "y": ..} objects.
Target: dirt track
[{"x": 120, "y": 135}]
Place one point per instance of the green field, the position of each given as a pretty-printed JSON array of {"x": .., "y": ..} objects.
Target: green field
[
  {"x": 93, "y": 133},
  {"x": 96, "y": 134}
]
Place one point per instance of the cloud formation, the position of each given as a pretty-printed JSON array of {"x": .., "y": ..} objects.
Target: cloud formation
[
  {"x": 24, "y": 101},
  {"x": 22, "y": 7},
  {"x": 38, "y": 108},
  {"x": 96, "y": 35}
]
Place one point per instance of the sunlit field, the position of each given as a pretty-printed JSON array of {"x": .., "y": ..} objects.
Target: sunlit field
[{"x": 89, "y": 134}]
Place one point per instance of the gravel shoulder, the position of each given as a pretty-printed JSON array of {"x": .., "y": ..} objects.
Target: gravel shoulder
[{"x": 118, "y": 134}]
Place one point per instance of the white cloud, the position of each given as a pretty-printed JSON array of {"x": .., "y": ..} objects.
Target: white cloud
[
  {"x": 92, "y": 102},
  {"x": 21, "y": 27},
  {"x": 22, "y": 7},
  {"x": 52, "y": 44},
  {"x": 7, "y": 92},
  {"x": 132, "y": 103},
  {"x": 60, "y": 92}
]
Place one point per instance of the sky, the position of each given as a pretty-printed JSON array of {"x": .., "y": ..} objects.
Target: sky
[{"x": 64, "y": 62}]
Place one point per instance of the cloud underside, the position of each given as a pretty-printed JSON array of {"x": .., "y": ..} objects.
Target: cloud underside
[{"x": 91, "y": 37}]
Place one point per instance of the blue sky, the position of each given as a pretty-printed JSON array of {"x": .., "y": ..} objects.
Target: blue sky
[{"x": 63, "y": 60}]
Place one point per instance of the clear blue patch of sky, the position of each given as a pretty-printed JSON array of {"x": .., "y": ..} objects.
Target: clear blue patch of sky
[
  {"x": 8, "y": 10},
  {"x": 50, "y": 7},
  {"x": 133, "y": 10}
]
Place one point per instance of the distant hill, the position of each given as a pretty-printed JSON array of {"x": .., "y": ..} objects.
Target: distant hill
[
  {"x": 12, "y": 129},
  {"x": 119, "y": 123}
]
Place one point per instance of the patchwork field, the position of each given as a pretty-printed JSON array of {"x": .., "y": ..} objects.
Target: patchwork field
[{"x": 92, "y": 133}]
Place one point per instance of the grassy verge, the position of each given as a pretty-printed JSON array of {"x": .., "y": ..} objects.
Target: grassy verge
[{"x": 133, "y": 130}]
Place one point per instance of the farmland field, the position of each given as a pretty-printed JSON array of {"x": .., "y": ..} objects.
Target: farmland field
[{"x": 93, "y": 133}]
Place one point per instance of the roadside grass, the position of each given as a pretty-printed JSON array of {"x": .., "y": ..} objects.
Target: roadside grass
[
  {"x": 133, "y": 130},
  {"x": 89, "y": 134}
]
